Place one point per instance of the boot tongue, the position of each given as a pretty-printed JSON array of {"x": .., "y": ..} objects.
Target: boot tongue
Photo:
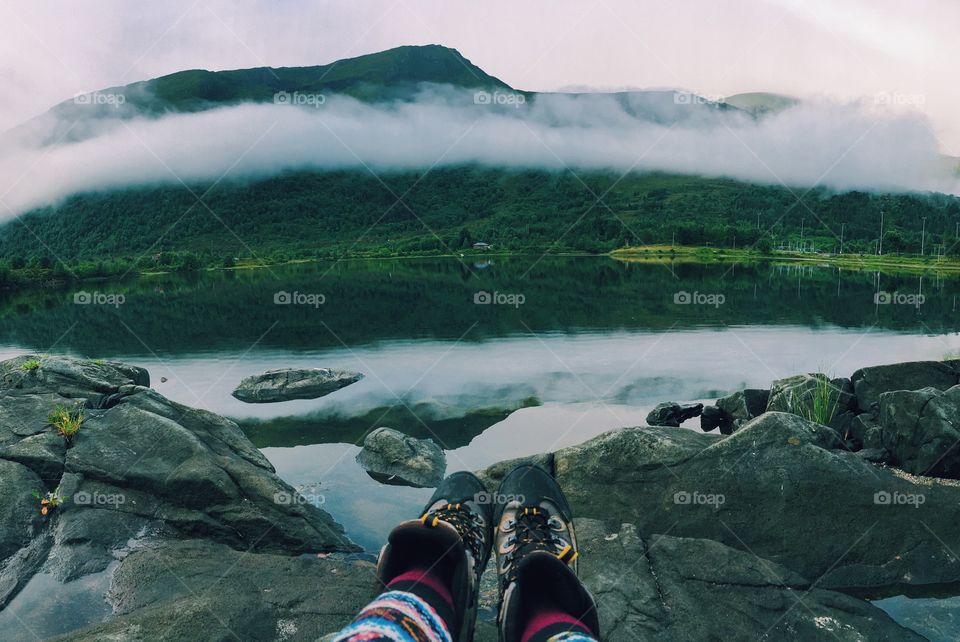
[{"x": 413, "y": 542}]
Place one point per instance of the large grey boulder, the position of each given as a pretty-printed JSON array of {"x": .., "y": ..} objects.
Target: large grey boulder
[
  {"x": 140, "y": 463},
  {"x": 870, "y": 383},
  {"x": 293, "y": 383},
  {"x": 394, "y": 458},
  {"x": 921, "y": 430},
  {"x": 671, "y": 413},
  {"x": 780, "y": 488},
  {"x": 660, "y": 587},
  {"x": 197, "y": 589}
]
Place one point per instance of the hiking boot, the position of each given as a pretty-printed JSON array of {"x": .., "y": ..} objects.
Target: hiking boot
[
  {"x": 536, "y": 551},
  {"x": 453, "y": 536}
]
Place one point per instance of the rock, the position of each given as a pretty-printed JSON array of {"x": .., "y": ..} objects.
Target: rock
[
  {"x": 740, "y": 407},
  {"x": 745, "y": 404},
  {"x": 68, "y": 377},
  {"x": 712, "y": 417},
  {"x": 23, "y": 542},
  {"x": 873, "y": 438},
  {"x": 661, "y": 587},
  {"x": 140, "y": 464},
  {"x": 920, "y": 430},
  {"x": 814, "y": 397},
  {"x": 393, "y": 457},
  {"x": 293, "y": 383},
  {"x": 870, "y": 383},
  {"x": 671, "y": 413},
  {"x": 188, "y": 590},
  {"x": 777, "y": 481},
  {"x": 858, "y": 427}
]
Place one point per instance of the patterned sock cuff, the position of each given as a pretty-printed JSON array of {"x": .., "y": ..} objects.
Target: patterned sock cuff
[{"x": 397, "y": 616}]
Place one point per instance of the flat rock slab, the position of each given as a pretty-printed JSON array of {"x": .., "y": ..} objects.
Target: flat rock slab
[
  {"x": 197, "y": 589},
  {"x": 661, "y": 587},
  {"x": 293, "y": 383}
]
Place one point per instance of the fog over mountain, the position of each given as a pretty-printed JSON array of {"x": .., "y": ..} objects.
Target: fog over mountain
[{"x": 855, "y": 145}]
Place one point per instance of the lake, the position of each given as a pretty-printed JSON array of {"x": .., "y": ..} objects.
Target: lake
[{"x": 494, "y": 359}]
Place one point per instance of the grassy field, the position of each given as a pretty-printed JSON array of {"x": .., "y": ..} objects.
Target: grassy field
[{"x": 906, "y": 263}]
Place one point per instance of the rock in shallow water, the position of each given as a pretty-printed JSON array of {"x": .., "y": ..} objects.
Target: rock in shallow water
[
  {"x": 293, "y": 383},
  {"x": 394, "y": 458},
  {"x": 671, "y": 413}
]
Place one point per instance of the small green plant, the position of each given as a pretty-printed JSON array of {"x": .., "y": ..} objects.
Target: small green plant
[
  {"x": 98, "y": 362},
  {"x": 817, "y": 404},
  {"x": 66, "y": 420},
  {"x": 30, "y": 364},
  {"x": 824, "y": 402},
  {"x": 49, "y": 500}
]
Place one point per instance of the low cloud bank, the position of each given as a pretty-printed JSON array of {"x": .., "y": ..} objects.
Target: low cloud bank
[{"x": 841, "y": 146}]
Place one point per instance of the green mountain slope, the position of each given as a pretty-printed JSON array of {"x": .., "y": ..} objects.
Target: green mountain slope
[{"x": 326, "y": 214}]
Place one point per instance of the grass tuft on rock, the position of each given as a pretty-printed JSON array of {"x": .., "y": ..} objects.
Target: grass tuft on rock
[
  {"x": 30, "y": 364},
  {"x": 66, "y": 420}
]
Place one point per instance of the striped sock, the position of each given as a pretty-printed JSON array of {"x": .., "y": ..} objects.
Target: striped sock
[
  {"x": 416, "y": 607},
  {"x": 556, "y": 626}
]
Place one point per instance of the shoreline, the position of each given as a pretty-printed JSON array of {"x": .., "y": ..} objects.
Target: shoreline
[{"x": 679, "y": 254}]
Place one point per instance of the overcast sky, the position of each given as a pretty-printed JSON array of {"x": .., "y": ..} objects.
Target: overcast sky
[{"x": 54, "y": 49}]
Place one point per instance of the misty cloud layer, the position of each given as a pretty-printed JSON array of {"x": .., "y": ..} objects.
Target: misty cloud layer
[{"x": 841, "y": 146}]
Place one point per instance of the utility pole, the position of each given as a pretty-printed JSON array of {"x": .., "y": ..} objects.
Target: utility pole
[
  {"x": 923, "y": 236},
  {"x": 802, "y": 221},
  {"x": 758, "y": 220},
  {"x": 842, "y": 225},
  {"x": 880, "y": 245}
]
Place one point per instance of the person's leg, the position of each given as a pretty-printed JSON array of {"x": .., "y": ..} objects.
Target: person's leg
[
  {"x": 542, "y": 600},
  {"x": 430, "y": 571}
]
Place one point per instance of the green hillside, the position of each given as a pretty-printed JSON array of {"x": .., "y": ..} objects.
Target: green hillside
[{"x": 308, "y": 215}]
